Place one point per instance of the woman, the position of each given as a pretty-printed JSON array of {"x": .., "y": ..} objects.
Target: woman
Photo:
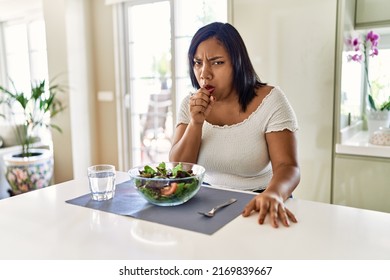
[{"x": 240, "y": 129}]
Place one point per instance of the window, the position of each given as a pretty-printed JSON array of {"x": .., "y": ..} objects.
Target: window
[
  {"x": 379, "y": 71},
  {"x": 157, "y": 37},
  {"x": 351, "y": 88},
  {"x": 24, "y": 57}
]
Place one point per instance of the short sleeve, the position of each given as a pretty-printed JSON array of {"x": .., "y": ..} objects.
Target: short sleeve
[
  {"x": 184, "y": 113},
  {"x": 283, "y": 116}
]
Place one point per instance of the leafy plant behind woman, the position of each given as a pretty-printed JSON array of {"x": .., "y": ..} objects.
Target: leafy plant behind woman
[{"x": 38, "y": 107}]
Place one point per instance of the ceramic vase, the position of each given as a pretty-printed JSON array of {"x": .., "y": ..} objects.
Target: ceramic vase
[
  {"x": 377, "y": 119},
  {"x": 28, "y": 173},
  {"x": 381, "y": 137}
]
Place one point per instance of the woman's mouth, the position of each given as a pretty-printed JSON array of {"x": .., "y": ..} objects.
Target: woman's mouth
[{"x": 209, "y": 88}]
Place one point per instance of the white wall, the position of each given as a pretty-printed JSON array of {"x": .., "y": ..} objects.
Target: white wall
[
  {"x": 292, "y": 44},
  {"x": 81, "y": 50},
  {"x": 57, "y": 54},
  {"x": 81, "y": 85}
]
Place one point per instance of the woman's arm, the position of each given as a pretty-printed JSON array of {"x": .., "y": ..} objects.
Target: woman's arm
[
  {"x": 188, "y": 137},
  {"x": 282, "y": 148},
  {"x": 186, "y": 143}
]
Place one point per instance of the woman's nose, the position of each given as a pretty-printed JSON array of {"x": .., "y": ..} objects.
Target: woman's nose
[{"x": 206, "y": 72}]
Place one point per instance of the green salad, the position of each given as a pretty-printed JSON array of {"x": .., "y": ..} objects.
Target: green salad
[{"x": 163, "y": 185}]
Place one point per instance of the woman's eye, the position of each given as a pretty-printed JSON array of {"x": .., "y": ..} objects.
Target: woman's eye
[
  {"x": 218, "y": 62},
  {"x": 197, "y": 62}
]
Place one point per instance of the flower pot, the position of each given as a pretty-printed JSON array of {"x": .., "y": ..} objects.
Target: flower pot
[
  {"x": 377, "y": 119},
  {"x": 28, "y": 173},
  {"x": 381, "y": 137}
]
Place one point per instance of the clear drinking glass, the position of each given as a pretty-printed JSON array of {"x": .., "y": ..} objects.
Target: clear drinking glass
[{"x": 102, "y": 181}]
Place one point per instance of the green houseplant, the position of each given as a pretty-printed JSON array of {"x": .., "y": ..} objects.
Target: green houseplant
[{"x": 30, "y": 114}]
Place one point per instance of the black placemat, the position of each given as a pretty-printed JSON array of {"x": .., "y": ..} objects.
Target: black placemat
[{"x": 185, "y": 216}]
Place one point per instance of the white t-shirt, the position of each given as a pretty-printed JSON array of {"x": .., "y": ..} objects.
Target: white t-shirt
[{"x": 236, "y": 156}]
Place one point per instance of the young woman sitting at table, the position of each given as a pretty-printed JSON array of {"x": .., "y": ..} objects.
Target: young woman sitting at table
[{"x": 239, "y": 128}]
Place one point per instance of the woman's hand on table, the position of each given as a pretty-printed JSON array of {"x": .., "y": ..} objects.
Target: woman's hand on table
[{"x": 268, "y": 203}]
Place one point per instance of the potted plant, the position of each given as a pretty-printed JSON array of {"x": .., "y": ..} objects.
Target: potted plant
[
  {"x": 30, "y": 114},
  {"x": 364, "y": 48}
]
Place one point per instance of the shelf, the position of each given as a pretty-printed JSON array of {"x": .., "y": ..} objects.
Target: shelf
[{"x": 358, "y": 145}]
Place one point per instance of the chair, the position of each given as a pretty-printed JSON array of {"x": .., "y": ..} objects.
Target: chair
[{"x": 153, "y": 133}]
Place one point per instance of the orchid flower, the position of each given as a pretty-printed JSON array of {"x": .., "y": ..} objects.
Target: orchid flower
[{"x": 362, "y": 49}]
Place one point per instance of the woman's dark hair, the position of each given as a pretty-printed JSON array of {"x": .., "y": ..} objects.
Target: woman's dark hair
[{"x": 245, "y": 79}]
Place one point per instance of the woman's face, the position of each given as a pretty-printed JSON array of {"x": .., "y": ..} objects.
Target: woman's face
[{"x": 213, "y": 68}]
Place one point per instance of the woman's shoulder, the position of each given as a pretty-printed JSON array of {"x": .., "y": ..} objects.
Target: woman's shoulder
[
  {"x": 264, "y": 93},
  {"x": 268, "y": 90},
  {"x": 271, "y": 94},
  {"x": 269, "y": 99}
]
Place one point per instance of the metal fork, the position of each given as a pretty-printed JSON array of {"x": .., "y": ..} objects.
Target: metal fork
[{"x": 212, "y": 211}]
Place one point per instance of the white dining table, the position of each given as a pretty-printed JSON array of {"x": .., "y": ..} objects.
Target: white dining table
[{"x": 40, "y": 225}]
